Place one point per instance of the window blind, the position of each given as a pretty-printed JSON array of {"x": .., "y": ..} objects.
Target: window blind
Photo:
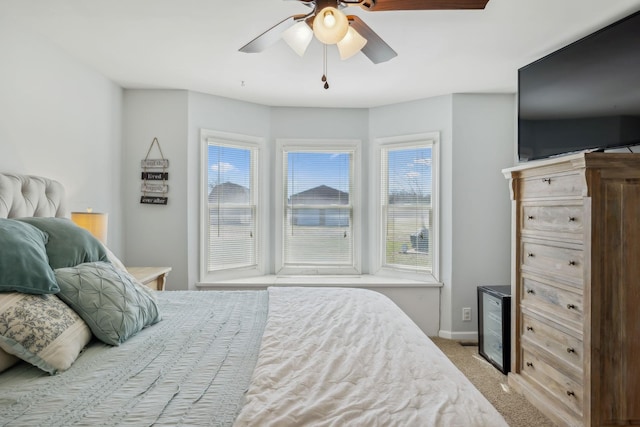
[
  {"x": 318, "y": 220},
  {"x": 406, "y": 207},
  {"x": 232, "y": 236}
]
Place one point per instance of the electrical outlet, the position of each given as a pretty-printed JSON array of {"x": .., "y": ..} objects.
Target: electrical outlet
[{"x": 466, "y": 314}]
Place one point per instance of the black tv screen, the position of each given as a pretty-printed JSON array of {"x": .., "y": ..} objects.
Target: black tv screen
[{"x": 585, "y": 96}]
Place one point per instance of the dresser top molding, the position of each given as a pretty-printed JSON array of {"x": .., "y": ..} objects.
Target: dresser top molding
[
  {"x": 577, "y": 161},
  {"x": 626, "y": 165}
]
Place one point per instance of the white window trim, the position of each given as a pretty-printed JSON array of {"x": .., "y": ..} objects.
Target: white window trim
[
  {"x": 211, "y": 136},
  {"x": 319, "y": 145},
  {"x": 377, "y": 223}
]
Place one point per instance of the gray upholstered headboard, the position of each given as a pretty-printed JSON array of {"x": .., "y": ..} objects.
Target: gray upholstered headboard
[{"x": 28, "y": 195}]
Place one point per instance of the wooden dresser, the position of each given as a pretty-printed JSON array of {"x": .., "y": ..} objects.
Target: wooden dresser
[{"x": 576, "y": 287}]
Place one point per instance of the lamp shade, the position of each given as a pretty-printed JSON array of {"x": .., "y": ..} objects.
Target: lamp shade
[
  {"x": 330, "y": 25},
  {"x": 298, "y": 37},
  {"x": 351, "y": 44},
  {"x": 95, "y": 223}
]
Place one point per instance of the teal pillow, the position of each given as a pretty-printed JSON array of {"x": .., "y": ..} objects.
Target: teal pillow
[
  {"x": 24, "y": 266},
  {"x": 109, "y": 300},
  {"x": 68, "y": 245}
]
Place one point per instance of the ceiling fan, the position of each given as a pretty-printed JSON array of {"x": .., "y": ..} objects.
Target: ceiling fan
[{"x": 331, "y": 26}]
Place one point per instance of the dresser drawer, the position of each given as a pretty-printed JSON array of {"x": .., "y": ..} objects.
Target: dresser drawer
[
  {"x": 561, "y": 387},
  {"x": 546, "y": 335},
  {"x": 552, "y": 218},
  {"x": 555, "y": 185},
  {"x": 564, "y": 303},
  {"x": 549, "y": 259}
]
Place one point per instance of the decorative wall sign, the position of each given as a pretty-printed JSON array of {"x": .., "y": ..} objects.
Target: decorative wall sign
[
  {"x": 154, "y": 188},
  {"x": 148, "y": 200},
  {"x": 154, "y": 193},
  {"x": 155, "y": 176},
  {"x": 155, "y": 163}
]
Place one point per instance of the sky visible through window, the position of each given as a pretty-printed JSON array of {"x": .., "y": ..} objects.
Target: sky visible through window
[
  {"x": 409, "y": 170},
  {"x": 228, "y": 164},
  {"x": 310, "y": 170}
]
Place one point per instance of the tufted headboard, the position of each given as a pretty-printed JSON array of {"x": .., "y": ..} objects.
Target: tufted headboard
[{"x": 28, "y": 195}]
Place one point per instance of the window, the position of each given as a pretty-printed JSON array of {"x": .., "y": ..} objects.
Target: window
[
  {"x": 407, "y": 201},
  {"x": 318, "y": 225},
  {"x": 230, "y": 225},
  {"x": 302, "y": 213}
]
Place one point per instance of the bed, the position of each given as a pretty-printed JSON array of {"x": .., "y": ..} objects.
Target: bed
[{"x": 285, "y": 356}]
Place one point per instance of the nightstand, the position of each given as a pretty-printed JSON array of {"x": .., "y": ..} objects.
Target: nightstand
[{"x": 153, "y": 277}]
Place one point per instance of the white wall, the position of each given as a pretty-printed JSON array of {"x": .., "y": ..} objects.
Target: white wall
[
  {"x": 156, "y": 235},
  {"x": 483, "y": 140},
  {"x": 476, "y": 142},
  {"x": 62, "y": 120}
]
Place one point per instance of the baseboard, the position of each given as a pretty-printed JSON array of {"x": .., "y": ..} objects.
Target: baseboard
[{"x": 459, "y": 336}]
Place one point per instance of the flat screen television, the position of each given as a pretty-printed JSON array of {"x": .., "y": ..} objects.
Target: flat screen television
[{"x": 585, "y": 96}]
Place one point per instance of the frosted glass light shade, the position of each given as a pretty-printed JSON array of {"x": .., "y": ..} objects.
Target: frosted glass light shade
[
  {"x": 330, "y": 25},
  {"x": 298, "y": 37},
  {"x": 351, "y": 44},
  {"x": 95, "y": 223}
]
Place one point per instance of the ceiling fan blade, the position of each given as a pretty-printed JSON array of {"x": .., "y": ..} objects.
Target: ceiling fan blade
[
  {"x": 376, "y": 49},
  {"x": 271, "y": 36},
  {"x": 383, "y": 5}
]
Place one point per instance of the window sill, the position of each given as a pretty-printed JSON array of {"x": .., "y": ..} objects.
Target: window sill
[{"x": 360, "y": 281}]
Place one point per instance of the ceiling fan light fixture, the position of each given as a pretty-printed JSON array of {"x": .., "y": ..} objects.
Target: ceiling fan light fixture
[
  {"x": 351, "y": 44},
  {"x": 298, "y": 37},
  {"x": 330, "y": 25}
]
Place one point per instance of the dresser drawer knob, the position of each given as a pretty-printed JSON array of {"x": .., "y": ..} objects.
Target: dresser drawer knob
[
  {"x": 529, "y": 364},
  {"x": 530, "y": 217},
  {"x": 572, "y": 219},
  {"x": 530, "y": 328},
  {"x": 570, "y": 393},
  {"x": 571, "y": 306},
  {"x": 531, "y": 291},
  {"x": 572, "y": 263},
  {"x": 530, "y": 254},
  {"x": 571, "y": 350},
  {"x": 547, "y": 180}
]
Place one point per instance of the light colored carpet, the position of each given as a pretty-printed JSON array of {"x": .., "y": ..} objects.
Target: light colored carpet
[{"x": 515, "y": 409}]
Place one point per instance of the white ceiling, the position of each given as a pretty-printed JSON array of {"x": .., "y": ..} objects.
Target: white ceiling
[{"x": 193, "y": 45}]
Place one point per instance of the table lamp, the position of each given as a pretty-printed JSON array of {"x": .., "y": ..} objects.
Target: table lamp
[{"x": 94, "y": 222}]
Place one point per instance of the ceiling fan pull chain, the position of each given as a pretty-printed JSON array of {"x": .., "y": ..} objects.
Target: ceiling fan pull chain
[{"x": 324, "y": 66}]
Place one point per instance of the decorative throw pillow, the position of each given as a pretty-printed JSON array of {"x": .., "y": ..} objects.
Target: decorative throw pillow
[
  {"x": 108, "y": 299},
  {"x": 68, "y": 245},
  {"x": 41, "y": 330},
  {"x": 24, "y": 266},
  {"x": 7, "y": 360}
]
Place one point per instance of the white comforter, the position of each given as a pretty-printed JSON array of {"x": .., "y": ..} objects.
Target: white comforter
[{"x": 350, "y": 357}]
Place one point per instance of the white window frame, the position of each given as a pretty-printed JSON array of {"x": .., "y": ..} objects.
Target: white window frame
[
  {"x": 261, "y": 195},
  {"x": 378, "y": 223},
  {"x": 321, "y": 146}
]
